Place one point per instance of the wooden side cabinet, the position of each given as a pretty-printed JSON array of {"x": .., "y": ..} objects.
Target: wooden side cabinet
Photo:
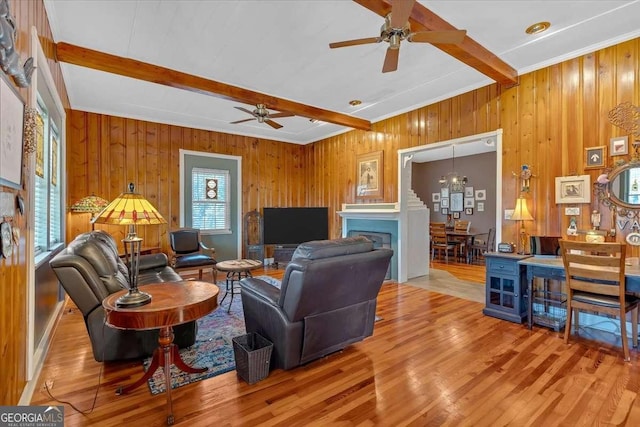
[{"x": 506, "y": 286}]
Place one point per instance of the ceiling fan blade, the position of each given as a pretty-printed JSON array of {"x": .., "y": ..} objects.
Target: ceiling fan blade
[
  {"x": 355, "y": 42},
  {"x": 273, "y": 124},
  {"x": 241, "y": 121},
  {"x": 279, "y": 115},
  {"x": 439, "y": 37},
  {"x": 245, "y": 110},
  {"x": 391, "y": 60},
  {"x": 400, "y": 12}
]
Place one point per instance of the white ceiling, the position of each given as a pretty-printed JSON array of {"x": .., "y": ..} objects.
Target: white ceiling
[{"x": 280, "y": 47}]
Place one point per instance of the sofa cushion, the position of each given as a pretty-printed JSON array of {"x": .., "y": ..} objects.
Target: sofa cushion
[
  {"x": 103, "y": 261},
  {"x": 318, "y": 249}
]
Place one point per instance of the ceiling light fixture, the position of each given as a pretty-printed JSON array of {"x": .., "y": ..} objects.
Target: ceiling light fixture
[
  {"x": 538, "y": 27},
  {"x": 452, "y": 180},
  {"x": 355, "y": 102}
]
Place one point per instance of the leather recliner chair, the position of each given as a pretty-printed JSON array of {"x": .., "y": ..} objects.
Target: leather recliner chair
[
  {"x": 326, "y": 302},
  {"x": 89, "y": 270}
]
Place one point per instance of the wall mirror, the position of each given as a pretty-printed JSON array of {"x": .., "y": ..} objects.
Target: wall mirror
[{"x": 622, "y": 191}]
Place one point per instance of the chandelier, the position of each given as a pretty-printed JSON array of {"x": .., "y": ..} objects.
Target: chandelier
[{"x": 452, "y": 180}]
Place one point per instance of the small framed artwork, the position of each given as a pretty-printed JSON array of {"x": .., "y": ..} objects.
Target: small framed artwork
[
  {"x": 444, "y": 202},
  {"x": 444, "y": 211},
  {"x": 369, "y": 174},
  {"x": 456, "y": 202},
  {"x": 436, "y": 207},
  {"x": 435, "y": 197},
  {"x": 468, "y": 192},
  {"x": 594, "y": 157},
  {"x": 480, "y": 207},
  {"x": 468, "y": 211},
  {"x": 456, "y": 215},
  {"x": 573, "y": 189},
  {"x": 469, "y": 202},
  {"x": 619, "y": 146},
  {"x": 481, "y": 194},
  {"x": 444, "y": 192},
  {"x": 11, "y": 129}
]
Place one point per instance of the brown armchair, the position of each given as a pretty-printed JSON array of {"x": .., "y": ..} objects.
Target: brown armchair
[{"x": 189, "y": 253}]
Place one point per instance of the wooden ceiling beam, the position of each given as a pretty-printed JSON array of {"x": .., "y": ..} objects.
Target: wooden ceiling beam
[
  {"x": 127, "y": 67},
  {"x": 469, "y": 51}
]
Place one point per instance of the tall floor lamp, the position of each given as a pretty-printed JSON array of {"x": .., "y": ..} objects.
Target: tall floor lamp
[
  {"x": 521, "y": 213},
  {"x": 131, "y": 209}
]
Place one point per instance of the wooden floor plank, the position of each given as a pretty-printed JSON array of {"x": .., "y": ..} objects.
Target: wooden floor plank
[{"x": 434, "y": 359}]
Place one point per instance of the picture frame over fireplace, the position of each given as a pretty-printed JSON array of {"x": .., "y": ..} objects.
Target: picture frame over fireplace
[{"x": 370, "y": 175}]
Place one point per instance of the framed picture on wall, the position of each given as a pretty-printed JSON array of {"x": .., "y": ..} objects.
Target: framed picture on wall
[
  {"x": 469, "y": 202},
  {"x": 619, "y": 146},
  {"x": 369, "y": 170},
  {"x": 444, "y": 211},
  {"x": 573, "y": 189},
  {"x": 11, "y": 129},
  {"x": 456, "y": 215},
  {"x": 468, "y": 192},
  {"x": 444, "y": 202},
  {"x": 480, "y": 207},
  {"x": 436, "y": 207},
  {"x": 444, "y": 192},
  {"x": 468, "y": 211},
  {"x": 435, "y": 197},
  {"x": 594, "y": 157},
  {"x": 456, "y": 202},
  {"x": 481, "y": 194}
]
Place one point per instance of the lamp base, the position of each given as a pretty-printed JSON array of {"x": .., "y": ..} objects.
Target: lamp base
[{"x": 134, "y": 298}]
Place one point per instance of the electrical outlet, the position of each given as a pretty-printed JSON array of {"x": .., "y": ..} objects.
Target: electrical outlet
[
  {"x": 572, "y": 211},
  {"x": 508, "y": 213}
]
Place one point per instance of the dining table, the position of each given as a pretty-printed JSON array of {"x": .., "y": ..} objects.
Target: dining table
[{"x": 465, "y": 238}]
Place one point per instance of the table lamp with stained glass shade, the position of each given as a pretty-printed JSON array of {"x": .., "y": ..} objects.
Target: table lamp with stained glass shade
[
  {"x": 131, "y": 209},
  {"x": 89, "y": 204}
]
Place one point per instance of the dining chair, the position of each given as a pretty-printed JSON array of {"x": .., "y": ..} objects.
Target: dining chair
[
  {"x": 439, "y": 240},
  {"x": 189, "y": 253},
  {"x": 460, "y": 242},
  {"x": 482, "y": 243},
  {"x": 595, "y": 280}
]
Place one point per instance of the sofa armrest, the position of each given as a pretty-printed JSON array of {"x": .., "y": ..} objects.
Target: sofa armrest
[
  {"x": 261, "y": 289},
  {"x": 148, "y": 262}
]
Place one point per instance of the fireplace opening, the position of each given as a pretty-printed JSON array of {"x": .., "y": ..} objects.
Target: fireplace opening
[{"x": 380, "y": 240}]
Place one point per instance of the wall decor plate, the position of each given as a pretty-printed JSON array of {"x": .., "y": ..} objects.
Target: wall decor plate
[{"x": 6, "y": 239}]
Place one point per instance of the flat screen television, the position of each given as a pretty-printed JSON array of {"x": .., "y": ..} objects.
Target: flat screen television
[{"x": 292, "y": 226}]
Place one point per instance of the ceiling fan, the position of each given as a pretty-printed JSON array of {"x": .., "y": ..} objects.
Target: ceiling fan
[
  {"x": 396, "y": 28},
  {"x": 262, "y": 115}
]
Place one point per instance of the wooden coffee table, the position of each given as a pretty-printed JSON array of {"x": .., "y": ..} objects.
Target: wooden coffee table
[
  {"x": 172, "y": 303},
  {"x": 236, "y": 270}
]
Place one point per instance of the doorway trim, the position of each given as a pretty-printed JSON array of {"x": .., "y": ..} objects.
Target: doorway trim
[
  {"x": 432, "y": 152},
  {"x": 238, "y": 160}
]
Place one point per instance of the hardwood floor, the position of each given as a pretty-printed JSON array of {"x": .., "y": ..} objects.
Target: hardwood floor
[{"x": 433, "y": 360}]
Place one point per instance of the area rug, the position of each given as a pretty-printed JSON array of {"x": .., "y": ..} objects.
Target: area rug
[{"x": 213, "y": 348}]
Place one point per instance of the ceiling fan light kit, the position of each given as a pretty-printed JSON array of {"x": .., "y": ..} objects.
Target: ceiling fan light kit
[
  {"x": 262, "y": 115},
  {"x": 396, "y": 29}
]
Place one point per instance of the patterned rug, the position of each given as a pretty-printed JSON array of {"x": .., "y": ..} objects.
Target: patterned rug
[{"x": 213, "y": 348}]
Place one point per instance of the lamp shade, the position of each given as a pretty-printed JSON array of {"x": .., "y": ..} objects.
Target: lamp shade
[
  {"x": 91, "y": 204},
  {"x": 521, "y": 212},
  {"x": 129, "y": 208}
]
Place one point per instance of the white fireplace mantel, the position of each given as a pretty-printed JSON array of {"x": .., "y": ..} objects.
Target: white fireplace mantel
[{"x": 374, "y": 211}]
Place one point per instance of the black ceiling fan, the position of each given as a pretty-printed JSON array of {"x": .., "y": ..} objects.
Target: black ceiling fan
[
  {"x": 262, "y": 115},
  {"x": 396, "y": 28}
]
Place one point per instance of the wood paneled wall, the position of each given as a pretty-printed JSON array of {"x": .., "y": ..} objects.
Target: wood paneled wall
[
  {"x": 105, "y": 153},
  {"x": 548, "y": 120},
  {"x": 13, "y": 271}
]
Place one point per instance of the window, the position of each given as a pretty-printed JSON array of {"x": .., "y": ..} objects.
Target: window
[
  {"x": 48, "y": 194},
  {"x": 211, "y": 211}
]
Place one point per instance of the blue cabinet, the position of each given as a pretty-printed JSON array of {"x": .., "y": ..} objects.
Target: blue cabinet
[{"x": 506, "y": 286}]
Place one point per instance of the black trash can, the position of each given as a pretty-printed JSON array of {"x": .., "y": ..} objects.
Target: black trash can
[{"x": 252, "y": 353}]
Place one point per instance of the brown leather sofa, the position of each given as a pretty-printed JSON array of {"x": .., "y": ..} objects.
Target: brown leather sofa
[
  {"x": 326, "y": 302},
  {"x": 89, "y": 270}
]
